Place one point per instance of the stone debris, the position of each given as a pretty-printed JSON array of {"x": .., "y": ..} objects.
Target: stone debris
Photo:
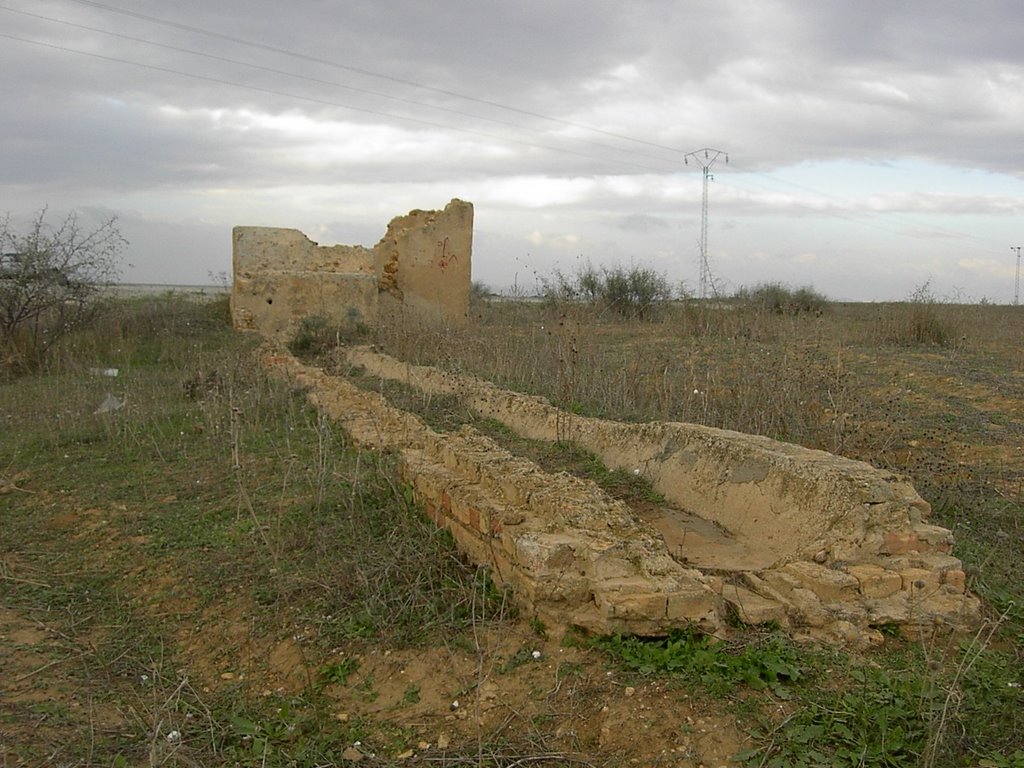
[{"x": 352, "y": 755}]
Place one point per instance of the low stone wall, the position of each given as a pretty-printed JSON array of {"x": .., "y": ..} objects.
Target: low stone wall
[
  {"x": 571, "y": 555},
  {"x": 840, "y": 547},
  {"x": 574, "y": 556}
]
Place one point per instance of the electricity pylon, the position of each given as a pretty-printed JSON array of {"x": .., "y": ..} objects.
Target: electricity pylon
[
  {"x": 1016, "y": 282},
  {"x": 705, "y": 158}
]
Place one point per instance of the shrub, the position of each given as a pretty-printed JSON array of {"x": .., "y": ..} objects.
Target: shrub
[
  {"x": 633, "y": 293},
  {"x": 318, "y": 334},
  {"x": 806, "y": 299},
  {"x": 925, "y": 325},
  {"x": 479, "y": 291},
  {"x": 782, "y": 300},
  {"x": 636, "y": 293},
  {"x": 921, "y": 321}
]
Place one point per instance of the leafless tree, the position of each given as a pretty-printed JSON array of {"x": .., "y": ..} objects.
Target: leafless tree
[{"x": 50, "y": 279}]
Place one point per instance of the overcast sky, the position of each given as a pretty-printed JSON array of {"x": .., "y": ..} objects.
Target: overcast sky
[{"x": 873, "y": 145}]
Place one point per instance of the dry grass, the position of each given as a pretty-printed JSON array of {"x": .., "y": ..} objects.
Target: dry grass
[
  {"x": 929, "y": 389},
  {"x": 216, "y": 524}
]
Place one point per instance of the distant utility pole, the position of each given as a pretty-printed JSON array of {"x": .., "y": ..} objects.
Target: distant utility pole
[
  {"x": 1016, "y": 282},
  {"x": 705, "y": 158}
]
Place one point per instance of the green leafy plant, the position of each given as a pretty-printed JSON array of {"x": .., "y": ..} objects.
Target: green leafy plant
[
  {"x": 288, "y": 733},
  {"x": 873, "y": 717},
  {"x": 524, "y": 655},
  {"x": 338, "y": 673},
  {"x": 411, "y": 695},
  {"x": 998, "y": 760},
  {"x": 715, "y": 665}
]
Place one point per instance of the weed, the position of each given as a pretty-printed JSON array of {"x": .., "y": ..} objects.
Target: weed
[
  {"x": 998, "y": 760},
  {"x": 889, "y": 630},
  {"x": 367, "y": 690},
  {"x": 873, "y": 717},
  {"x": 215, "y": 497},
  {"x": 216, "y": 512},
  {"x": 411, "y": 695},
  {"x": 287, "y": 732},
  {"x": 524, "y": 655},
  {"x": 338, "y": 672},
  {"x": 717, "y": 666}
]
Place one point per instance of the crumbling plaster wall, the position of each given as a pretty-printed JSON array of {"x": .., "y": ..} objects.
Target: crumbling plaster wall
[
  {"x": 424, "y": 262},
  {"x": 420, "y": 270}
]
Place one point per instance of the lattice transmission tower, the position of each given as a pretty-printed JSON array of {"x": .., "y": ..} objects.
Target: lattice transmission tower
[{"x": 705, "y": 158}]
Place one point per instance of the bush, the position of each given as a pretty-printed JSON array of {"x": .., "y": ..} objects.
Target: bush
[
  {"x": 633, "y": 293},
  {"x": 636, "y": 293},
  {"x": 925, "y": 325},
  {"x": 921, "y": 321},
  {"x": 318, "y": 334},
  {"x": 50, "y": 283},
  {"x": 479, "y": 292},
  {"x": 782, "y": 300}
]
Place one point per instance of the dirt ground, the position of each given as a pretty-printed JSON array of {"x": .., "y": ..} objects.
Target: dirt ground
[
  {"x": 113, "y": 652},
  {"x": 61, "y": 686}
]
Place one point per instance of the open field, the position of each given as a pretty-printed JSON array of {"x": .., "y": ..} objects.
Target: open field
[{"x": 213, "y": 575}]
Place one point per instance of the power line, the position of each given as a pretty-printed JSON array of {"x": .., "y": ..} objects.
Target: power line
[
  {"x": 315, "y": 80},
  {"x": 705, "y": 268},
  {"x": 325, "y": 102},
  {"x": 370, "y": 73}
]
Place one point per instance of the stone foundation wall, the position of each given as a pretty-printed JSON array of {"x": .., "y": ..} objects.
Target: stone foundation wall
[
  {"x": 571, "y": 555},
  {"x": 831, "y": 547},
  {"x": 419, "y": 269}
]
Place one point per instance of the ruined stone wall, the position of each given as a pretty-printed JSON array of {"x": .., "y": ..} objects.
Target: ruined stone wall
[
  {"x": 571, "y": 555},
  {"x": 797, "y": 502},
  {"x": 281, "y": 276},
  {"x": 425, "y": 258},
  {"x": 420, "y": 270},
  {"x": 828, "y": 546}
]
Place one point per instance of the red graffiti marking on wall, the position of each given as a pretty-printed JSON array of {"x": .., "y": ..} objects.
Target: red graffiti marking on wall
[{"x": 445, "y": 258}]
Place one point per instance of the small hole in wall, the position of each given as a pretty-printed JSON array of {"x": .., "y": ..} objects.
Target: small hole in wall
[{"x": 270, "y": 301}]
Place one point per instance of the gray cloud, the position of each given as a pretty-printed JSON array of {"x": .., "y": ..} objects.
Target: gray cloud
[{"x": 199, "y": 140}]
